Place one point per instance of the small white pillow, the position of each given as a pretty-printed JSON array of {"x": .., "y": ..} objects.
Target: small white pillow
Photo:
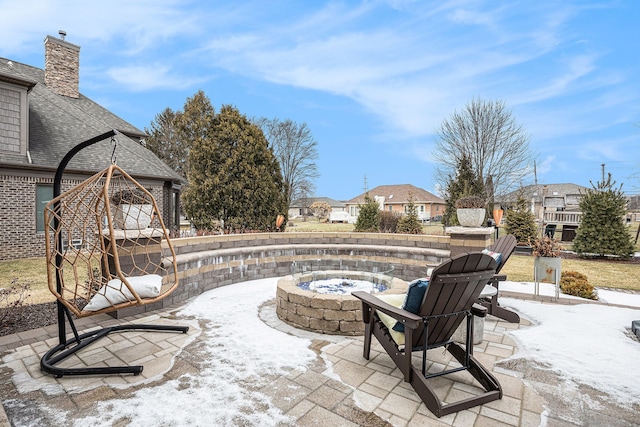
[{"x": 116, "y": 292}]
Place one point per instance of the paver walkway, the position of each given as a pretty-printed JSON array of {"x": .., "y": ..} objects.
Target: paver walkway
[{"x": 339, "y": 388}]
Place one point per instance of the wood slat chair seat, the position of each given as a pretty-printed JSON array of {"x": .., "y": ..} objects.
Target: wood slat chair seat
[
  {"x": 505, "y": 245},
  {"x": 450, "y": 299}
]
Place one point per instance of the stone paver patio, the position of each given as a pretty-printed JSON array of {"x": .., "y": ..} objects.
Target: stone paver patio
[{"x": 340, "y": 388}]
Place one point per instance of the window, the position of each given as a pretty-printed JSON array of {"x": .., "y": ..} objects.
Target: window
[
  {"x": 421, "y": 208},
  {"x": 44, "y": 193},
  {"x": 390, "y": 208}
]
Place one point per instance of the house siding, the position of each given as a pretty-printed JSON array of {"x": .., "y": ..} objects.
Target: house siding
[
  {"x": 11, "y": 120},
  {"x": 18, "y": 235}
]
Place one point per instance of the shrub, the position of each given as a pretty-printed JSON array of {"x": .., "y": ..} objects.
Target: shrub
[
  {"x": 134, "y": 196},
  {"x": 520, "y": 221},
  {"x": 369, "y": 217},
  {"x": 545, "y": 247},
  {"x": 602, "y": 230},
  {"x": 470, "y": 202},
  {"x": 576, "y": 284},
  {"x": 389, "y": 221},
  {"x": 13, "y": 297},
  {"x": 409, "y": 223}
]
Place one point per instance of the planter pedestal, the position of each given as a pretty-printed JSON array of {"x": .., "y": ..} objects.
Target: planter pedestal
[{"x": 469, "y": 239}]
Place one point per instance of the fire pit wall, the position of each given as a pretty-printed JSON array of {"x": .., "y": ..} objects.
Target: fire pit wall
[{"x": 327, "y": 313}]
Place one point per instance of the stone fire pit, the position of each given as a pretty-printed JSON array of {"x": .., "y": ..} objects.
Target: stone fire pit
[{"x": 327, "y": 313}]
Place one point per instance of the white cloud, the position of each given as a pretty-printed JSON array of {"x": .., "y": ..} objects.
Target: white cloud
[{"x": 150, "y": 77}]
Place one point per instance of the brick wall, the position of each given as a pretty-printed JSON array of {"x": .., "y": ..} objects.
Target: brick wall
[{"x": 18, "y": 236}]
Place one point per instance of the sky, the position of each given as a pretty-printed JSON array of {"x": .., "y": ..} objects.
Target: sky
[
  {"x": 598, "y": 356},
  {"x": 373, "y": 80}
]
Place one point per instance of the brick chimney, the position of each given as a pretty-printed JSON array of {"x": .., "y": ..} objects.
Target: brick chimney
[{"x": 62, "y": 66}]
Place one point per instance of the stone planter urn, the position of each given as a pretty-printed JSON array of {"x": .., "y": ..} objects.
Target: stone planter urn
[
  {"x": 133, "y": 210},
  {"x": 470, "y": 211},
  {"x": 471, "y": 217},
  {"x": 133, "y": 217}
]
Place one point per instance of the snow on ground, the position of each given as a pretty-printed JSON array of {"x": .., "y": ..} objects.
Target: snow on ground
[
  {"x": 584, "y": 343},
  {"x": 239, "y": 348},
  {"x": 547, "y": 289}
]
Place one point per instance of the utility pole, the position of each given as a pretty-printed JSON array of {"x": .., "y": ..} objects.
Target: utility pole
[
  {"x": 365, "y": 184},
  {"x": 603, "y": 172}
]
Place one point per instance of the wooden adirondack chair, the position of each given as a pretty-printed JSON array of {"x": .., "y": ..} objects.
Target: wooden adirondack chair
[
  {"x": 504, "y": 245},
  {"x": 450, "y": 297}
]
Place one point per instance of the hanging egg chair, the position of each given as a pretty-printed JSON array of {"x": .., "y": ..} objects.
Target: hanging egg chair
[
  {"x": 104, "y": 240},
  {"x": 103, "y": 245}
]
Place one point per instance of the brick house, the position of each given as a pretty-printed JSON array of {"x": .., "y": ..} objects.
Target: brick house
[
  {"x": 395, "y": 198},
  {"x": 42, "y": 116}
]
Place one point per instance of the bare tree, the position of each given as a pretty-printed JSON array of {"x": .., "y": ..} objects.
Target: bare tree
[
  {"x": 488, "y": 135},
  {"x": 321, "y": 209},
  {"x": 296, "y": 150}
]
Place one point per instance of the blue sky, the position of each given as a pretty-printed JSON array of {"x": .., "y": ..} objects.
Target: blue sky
[{"x": 373, "y": 80}]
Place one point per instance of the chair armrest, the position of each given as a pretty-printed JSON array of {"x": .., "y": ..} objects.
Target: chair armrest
[
  {"x": 409, "y": 319},
  {"x": 479, "y": 310},
  {"x": 499, "y": 277}
]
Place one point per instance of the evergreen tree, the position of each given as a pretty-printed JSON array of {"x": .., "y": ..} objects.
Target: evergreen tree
[
  {"x": 602, "y": 230},
  {"x": 520, "y": 221},
  {"x": 234, "y": 177},
  {"x": 172, "y": 134},
  {"x": 409, "y": 223},
  {"x": 465, "y": 183},
  {"x": 369, "y": 216}
]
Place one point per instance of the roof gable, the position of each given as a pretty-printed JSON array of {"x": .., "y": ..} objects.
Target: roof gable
[
  {"x": 398, "y": 194},
  {"x": 58, "y": 123},
  {"x": 541, "y": 191},
  {"x": 308, "y": 201}
]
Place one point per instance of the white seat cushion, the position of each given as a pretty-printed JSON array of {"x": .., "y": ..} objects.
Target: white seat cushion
[
  {"x": 395, "y": 300},
  {"x": 116, "y": 292}
]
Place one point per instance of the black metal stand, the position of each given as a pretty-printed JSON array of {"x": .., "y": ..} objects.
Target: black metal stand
[{"x": 68, "y": 347}]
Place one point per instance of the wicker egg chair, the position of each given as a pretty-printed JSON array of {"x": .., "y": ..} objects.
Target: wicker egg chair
[{"x": 104, "y": 253}]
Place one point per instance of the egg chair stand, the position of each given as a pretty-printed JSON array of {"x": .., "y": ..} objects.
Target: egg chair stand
[{"x": 81, "y": 236}]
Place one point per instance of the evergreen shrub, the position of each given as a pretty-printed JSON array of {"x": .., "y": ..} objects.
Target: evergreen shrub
[{"x": 576, "y": 284}]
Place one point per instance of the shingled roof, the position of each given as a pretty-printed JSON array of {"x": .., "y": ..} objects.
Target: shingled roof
[
  {"x": 538, "y": 191},
  {"x": 57, "y": 123},
  {"x": 398, "y": 194}
]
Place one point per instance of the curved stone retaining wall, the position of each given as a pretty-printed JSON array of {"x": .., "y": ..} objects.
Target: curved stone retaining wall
[{"x": 209, "y": 262}]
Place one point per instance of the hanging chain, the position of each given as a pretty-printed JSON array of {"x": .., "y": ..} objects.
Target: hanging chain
[{"x": 114, "y": 142}]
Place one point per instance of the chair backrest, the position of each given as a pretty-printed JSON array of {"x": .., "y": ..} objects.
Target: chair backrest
[
  {"x": 504, "y": 245},
  {"x": 454, "y": 286}
]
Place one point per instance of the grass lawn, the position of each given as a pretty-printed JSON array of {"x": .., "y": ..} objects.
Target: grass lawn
[{"x": 609, "y": 274}]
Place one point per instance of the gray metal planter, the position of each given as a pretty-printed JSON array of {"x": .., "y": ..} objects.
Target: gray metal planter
[{"x": 547, "y": 270}]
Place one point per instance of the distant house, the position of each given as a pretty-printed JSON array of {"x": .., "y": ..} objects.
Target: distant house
[
  {"x": 42, "y": 116},
  {"x": 550, "y": 203},
  {"x": 395, "y": 198},
  {"x": 300, "y": 207}
]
